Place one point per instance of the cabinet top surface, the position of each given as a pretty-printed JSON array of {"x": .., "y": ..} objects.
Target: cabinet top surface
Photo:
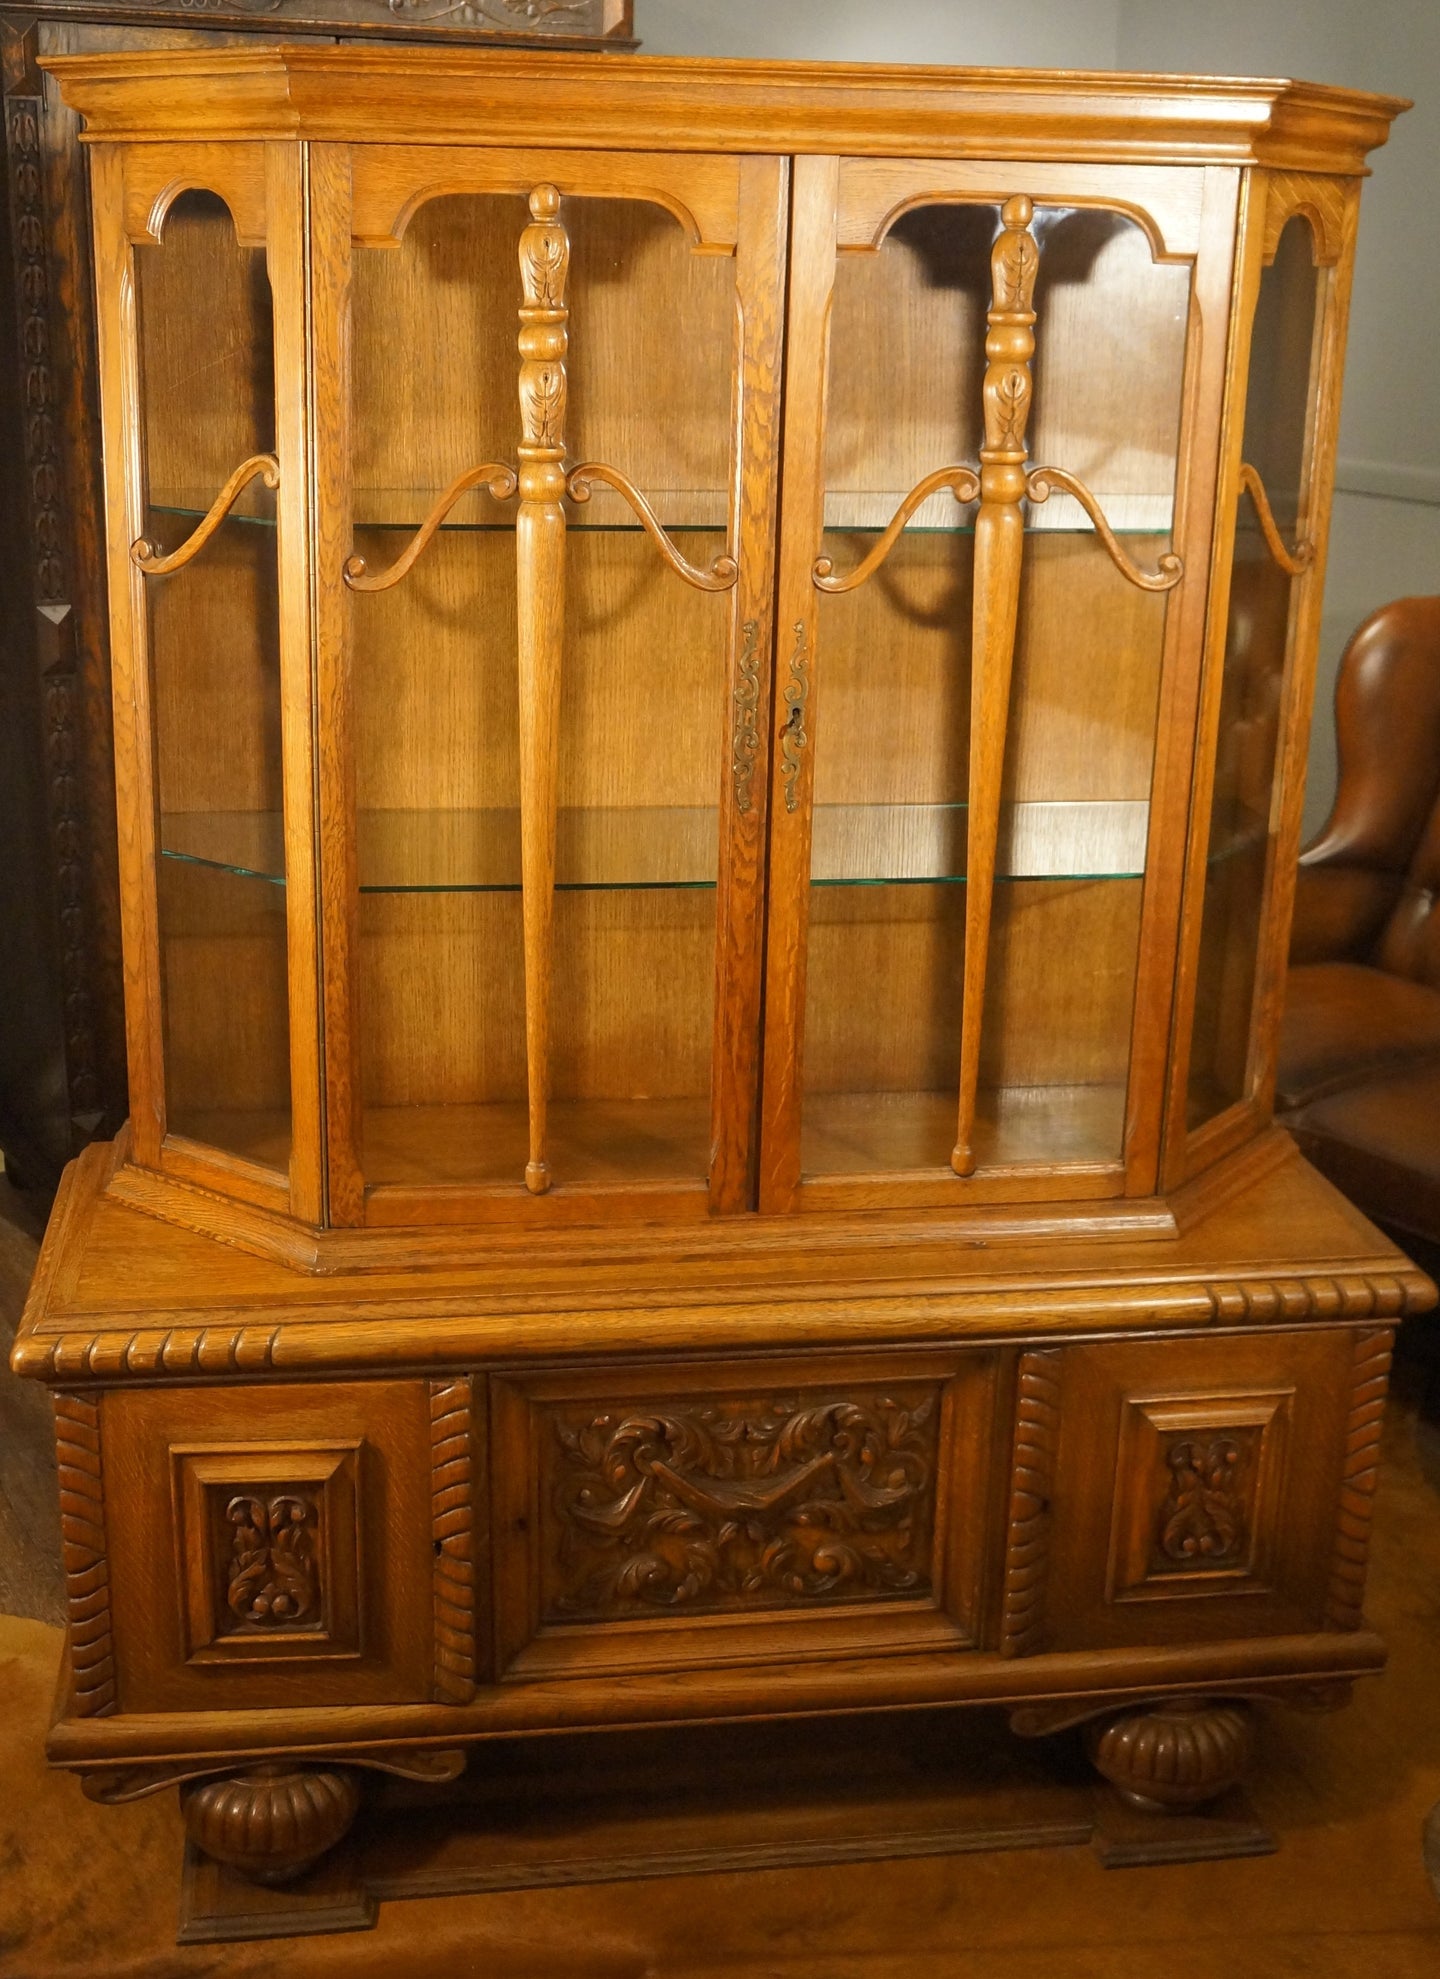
[{"x": 443, "y": 95}]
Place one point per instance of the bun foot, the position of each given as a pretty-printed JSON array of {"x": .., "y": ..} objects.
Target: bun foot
[
  {"x": 1168, "y": 1758},
  {"x": 270, "y": 1822}
]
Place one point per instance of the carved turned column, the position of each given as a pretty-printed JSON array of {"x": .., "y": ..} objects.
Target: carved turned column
[
  {"x": 540, "y": 596},
  {"x": 999, "y": 546}
]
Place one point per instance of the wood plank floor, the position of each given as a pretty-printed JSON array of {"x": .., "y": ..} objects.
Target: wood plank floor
[{"x": 90, "y": 1892}]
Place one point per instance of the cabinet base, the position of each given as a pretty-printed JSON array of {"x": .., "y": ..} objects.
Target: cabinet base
[{"x": 611, "y": 1807}]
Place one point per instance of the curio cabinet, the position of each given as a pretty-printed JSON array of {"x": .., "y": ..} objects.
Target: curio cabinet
[{"x": 711, "y": 670}]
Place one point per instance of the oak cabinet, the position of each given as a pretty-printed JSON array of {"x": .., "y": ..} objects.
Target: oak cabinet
[{"x": 711, "y": 667}]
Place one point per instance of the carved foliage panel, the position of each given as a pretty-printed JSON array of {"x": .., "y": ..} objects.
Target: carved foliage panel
[
  {"x": 1197, "y": 1494},
  {"x": 269, "y": 1555},
  {"x": 744, "y": 1502},
  {"x": 651, "y": 1506}
]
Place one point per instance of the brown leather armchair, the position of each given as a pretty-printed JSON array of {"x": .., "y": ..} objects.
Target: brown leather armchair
[{"x": 1359, "y": 1081}]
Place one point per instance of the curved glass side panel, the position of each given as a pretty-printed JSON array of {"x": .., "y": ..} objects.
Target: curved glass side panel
[
  {"x": 206, "y": 358},
  {"x": 1243, "y": 814}
]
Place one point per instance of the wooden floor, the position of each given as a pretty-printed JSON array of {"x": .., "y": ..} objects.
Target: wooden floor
[{"x": 90, "y": 1893}]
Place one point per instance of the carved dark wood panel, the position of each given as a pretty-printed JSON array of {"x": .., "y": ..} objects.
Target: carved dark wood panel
[
  {"x": 566, "y": 23},
  {"x": 741, "y": 1503}
]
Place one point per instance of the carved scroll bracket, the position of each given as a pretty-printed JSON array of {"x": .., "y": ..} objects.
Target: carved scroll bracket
[
  {"x": 144, "y": 554},
  {"x": 1292, "y": 562},
  {"x": 719, "y": 575},
  {"x": 502, "y": 483},
  {"x": 964, "y": 485},
  {"x": 1042, "y": 482}
]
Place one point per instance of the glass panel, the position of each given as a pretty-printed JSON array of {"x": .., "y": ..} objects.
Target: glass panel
[
  {"x": 207, "y": 400},
  {"x": 888, "y": 862},
  {"x": 442, "y": 1007},
  {"x": 1242, "y": 821}
]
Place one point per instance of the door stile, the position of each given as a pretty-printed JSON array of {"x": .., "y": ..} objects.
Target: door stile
[
  {"x": 1181, "y": 668},
  {"x": 329, "y": 369},
  {"x": 117, "y": 333},
  {"x": 740, "y": 906},
  {"x": 814, "y": 206},
  {"x": 286, "y": 230}
]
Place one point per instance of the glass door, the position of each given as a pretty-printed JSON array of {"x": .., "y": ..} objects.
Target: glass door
[
  {"x": 200, "y": 258},
  {"x": 1264, "y": 633},
  {"x": 551, "y": 659},
  {"x": 984, "y": 543}
]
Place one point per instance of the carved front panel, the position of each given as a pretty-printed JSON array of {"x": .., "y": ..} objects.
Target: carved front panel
[
  {"x": 1193, "y": 1490},
  {"x": 269, "y": 1551},
  {"x": 741, "y": 1503},
  {"x": 658, "y": 1517}
]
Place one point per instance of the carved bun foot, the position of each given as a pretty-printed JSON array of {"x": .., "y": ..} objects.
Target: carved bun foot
[
  {"x": 1167, "y": 1758},
  {"x": 271, "y": 1822}
]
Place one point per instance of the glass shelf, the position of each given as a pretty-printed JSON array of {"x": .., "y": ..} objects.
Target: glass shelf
[
  {"x": 850, "y": 512},
  {"x": 643, "y": 848}
]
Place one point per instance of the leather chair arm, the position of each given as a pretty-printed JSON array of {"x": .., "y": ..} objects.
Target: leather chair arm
[{"x": 1340, "y": 911}]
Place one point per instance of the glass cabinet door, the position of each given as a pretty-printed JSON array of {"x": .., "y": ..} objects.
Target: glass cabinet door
[
  {"x": 978, "y": 558},
  {"x": 560, "y": 454},
  {"x": 1271, "y": 577}
]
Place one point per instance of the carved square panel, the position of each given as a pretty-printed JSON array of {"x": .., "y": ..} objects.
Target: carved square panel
[
  {"x": 269, "y": 1550},
  {"x": 1197, "y": 1491}
]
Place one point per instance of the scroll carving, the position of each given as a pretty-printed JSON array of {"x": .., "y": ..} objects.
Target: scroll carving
[
  {"x": 962, "y": 482},
  {"x": 87, "y": 1574},
  {"x": 744, "y": 1505},
  {"x": 745, "y": 739},
  {"x": 1203, "y": 1519},
  {"x": 1027, "y": 1549},
  {"x": 154, "y": 563},
  {"x": 792, "y": 736},
  {"x": 452, "y": 1510},
  {"x": 721, "y": 574},
  {"x": 493, "y": 474},
  {"x": 1292, "y": 562},
  {"x": 1370, "y": 1377},
  {"x": 1042, "y": 482},
  {"x": 274, "y": 1575}
]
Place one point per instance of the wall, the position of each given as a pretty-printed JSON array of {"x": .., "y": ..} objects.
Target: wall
[
  {"x": 1028, "y": 33},
  {"x": 1385, "y": 540}
]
